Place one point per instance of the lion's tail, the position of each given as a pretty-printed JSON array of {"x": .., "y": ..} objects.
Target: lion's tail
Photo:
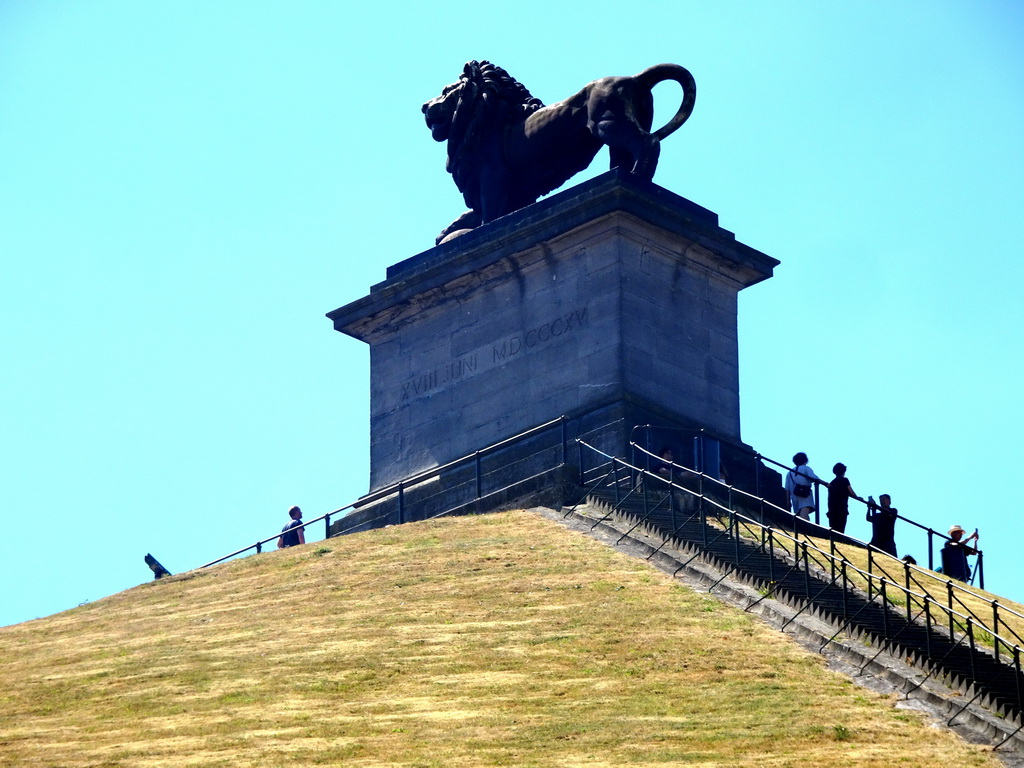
[{"x": 651, "y": 76}]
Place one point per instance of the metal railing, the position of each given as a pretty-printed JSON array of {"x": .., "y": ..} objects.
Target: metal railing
[
  {"x": 727, "y": 515},
  {"x": 469, "y": 479},
  {"x": 686, "y": 496},
  {"x": 739, "y": 453},
  {"x": 442, "y": 490},
  {"x": 955, "y": 592}
]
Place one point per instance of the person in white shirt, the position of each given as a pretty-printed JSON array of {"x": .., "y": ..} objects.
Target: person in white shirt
[{"x": 800, "y": 487}]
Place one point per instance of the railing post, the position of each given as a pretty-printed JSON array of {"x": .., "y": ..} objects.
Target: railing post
[
  {"x": 870, "y": 571},
  {"x": 703, "y": 522},
  {"x": 583, "y": 474},
  {"x": 970, "y": 637},
  {"x": 928, "y": 624},
  {"x": 700, "y": 490},
  {"x": 734, "y": 526},
  {"x": 476, "y": 462},
  {"x": 698, "y": 452},
  {"x": 906, "y": 571},
  {"x": 949, "y": 596},
  {"x": 327, "y": 525},
  {"x": 995, "y": 627},
  {"x": 401, "y": 502},
  {"x": 565, "y": 447},
  {"x": 645, "y": 491},
  {"x": 1016, "y": 677},
  {"x": 615, "y": 479},
  {"x": 807, "y": 573},
  {"x": 931, "y": 555},
  {"x": 672, "y": 496},
  {"x": 885, "y": 607},
  {"x": 846, "y": 594},
  {"x": 981, "y": 570},
  {"x": 757, "y": 477}
]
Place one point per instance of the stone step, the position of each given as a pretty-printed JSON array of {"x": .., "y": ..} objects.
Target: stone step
[{"x": 848, "y": 610}]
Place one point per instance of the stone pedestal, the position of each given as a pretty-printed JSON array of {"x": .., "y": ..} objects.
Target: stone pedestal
[{"x": 611, "y": 302}]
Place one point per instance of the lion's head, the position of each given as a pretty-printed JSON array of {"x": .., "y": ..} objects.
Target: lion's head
[
  {"x": 440, "y": 111},
  {"x": 482, "y": 86},
  {"x": 484, "y": 97}
]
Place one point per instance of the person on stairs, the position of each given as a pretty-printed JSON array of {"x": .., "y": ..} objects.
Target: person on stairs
[
  {"x": 800, "y": 486},
  {"x": 839, "y": 494},
  {"x": 955, "y": 554},
  {"x": 882, "y": 517}
]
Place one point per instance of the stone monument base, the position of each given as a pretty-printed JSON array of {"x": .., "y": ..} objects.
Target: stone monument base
[{"x": 613, "y": 303}]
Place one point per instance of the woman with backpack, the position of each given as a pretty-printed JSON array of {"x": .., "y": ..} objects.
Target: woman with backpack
[{"x": 800, "y": 487}]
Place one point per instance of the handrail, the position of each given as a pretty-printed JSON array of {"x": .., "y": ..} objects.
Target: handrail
[
  {"x": 924, "y": 598},
  {"x": 757, "y": 456},
  {"x": 870, "y": 578},
  {"x": 951, "y": 585},
  {"x": 428, "y": 473},
  {"x": 828, "y": 562},
  {"x": 401, "y": 485}
]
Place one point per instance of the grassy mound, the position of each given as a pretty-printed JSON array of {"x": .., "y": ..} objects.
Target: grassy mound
[{"x": 495, "y": 640}]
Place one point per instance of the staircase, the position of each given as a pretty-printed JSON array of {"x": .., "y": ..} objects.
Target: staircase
[{"x": 777, "y": 566}]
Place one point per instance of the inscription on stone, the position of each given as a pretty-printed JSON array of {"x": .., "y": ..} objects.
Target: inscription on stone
[
  {"x": 427, "y": 382},
  {"x": 491, "y": 355},
  {"x": 513, "y": 345}
]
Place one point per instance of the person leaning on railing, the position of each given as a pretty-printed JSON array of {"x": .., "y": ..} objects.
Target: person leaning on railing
[
  {"x": 663, "y": 466},
  {"x": 955, "y": 554},
  {"x": 882, "y": 517}
]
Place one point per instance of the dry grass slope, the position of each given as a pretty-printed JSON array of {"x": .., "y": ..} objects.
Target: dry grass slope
[{"x": 497, "y": 640}]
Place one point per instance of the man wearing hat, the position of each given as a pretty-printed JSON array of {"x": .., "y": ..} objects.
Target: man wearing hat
[{"x": 955, "y": 553}]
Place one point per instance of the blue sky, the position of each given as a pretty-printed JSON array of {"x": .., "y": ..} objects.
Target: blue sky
[{"x": 186, "y": 188}]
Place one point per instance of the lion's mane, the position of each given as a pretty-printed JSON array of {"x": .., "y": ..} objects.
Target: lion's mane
[{"x": 489, "y": 99}]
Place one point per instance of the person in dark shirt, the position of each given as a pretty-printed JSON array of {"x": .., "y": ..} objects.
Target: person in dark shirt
[
  {"x": 839, "y": 494},
  {"x": 292, "y": 534},
  {"x": 955, "y": 554},
  {"x": 882, "y": 517},
  {"x": 663, "y": 467}
]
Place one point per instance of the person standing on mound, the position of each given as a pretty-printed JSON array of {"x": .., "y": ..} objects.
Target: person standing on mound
[
  {"x": 292, "y": 534},
  {"x": 882, "y": 517},
  {"x": 839, "y": 494},
  {"x": 955, "y": 554}
]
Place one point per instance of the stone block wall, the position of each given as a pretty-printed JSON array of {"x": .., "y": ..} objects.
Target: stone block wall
[{"x": 613, "y": 292}]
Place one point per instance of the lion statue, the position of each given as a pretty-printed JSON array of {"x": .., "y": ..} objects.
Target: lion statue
[{"x": 506, "y": 149}]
